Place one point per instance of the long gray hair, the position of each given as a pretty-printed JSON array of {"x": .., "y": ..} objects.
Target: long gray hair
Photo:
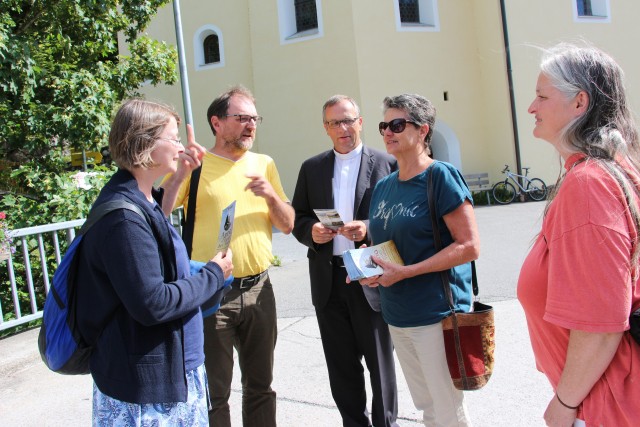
[{"x": 606, "y": 132}]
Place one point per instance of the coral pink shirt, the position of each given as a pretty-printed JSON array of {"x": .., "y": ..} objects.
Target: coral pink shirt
[{"x": 577, "y": 276}]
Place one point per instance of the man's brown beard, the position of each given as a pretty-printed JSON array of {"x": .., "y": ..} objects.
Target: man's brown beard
[{"x": 240, "y": 145}]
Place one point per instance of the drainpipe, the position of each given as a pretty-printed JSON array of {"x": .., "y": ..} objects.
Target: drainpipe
[
  {"x": 512, "y": 100},
  {"x": 184, "y": 79}
]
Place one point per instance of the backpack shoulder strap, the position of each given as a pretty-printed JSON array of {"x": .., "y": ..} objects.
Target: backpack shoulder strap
[
  {"x": 104, "y": 208},
  {"x": 189, "y": 222}
]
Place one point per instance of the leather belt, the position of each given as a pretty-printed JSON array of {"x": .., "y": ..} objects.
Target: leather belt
[
  {"x": 338, "y": 261},
  {"x": 249, "y": 281}
]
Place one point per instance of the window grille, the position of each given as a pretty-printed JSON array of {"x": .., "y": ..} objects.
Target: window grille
[
  {"x": 409, "y": 11},
  {"x": 211, "y": 46},
  {"x": 306, "y": 15}
]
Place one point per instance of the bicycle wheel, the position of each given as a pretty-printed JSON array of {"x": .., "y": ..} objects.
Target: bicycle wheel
[
  {"x": 504, "y": 192},
  {"x": 537, "y": 189}
]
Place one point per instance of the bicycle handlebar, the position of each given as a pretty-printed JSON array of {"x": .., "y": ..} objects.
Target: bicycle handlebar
[{"x": 506, "y": 168}]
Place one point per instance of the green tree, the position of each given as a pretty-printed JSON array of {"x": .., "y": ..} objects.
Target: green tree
[
  {"x": 61, "y": 77},
  {"x": 61, "y": 74}
]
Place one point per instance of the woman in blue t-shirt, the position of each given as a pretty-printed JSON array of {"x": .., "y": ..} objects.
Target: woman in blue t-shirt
[{"x": 412, "y": 296}]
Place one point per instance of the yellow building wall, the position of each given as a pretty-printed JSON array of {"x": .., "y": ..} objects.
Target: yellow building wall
[
  {"x": 544, "y": 23},
  {"x": 206, "y": 84},
  {"x": 361, "y": 54},
  {"x": 292, "y": 82}
]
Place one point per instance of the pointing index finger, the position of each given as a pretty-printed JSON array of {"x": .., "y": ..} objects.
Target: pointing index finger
[{"x": 197, "y": 149}]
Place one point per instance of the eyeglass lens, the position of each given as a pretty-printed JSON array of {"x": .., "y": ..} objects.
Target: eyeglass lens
[
  {"x": 173, "y": 141},
  {"x": 395, "y": 126},
  {"x": 245, "y": 118},
  {"x": 337, "y": 123}
]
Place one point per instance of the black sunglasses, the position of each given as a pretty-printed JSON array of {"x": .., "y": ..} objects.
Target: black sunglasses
[{"x": 395, "y": 125}]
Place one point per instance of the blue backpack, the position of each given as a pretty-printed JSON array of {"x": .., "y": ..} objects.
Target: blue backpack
[{"x": 61, "y": 345}]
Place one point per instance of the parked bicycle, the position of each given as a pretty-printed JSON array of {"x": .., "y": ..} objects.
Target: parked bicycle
[{"x": 505, "y": 192}]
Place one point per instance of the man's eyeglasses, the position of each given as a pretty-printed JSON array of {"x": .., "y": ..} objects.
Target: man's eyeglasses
[
  {"x": 245, "y": 118},
  {"x": 348, "y": 122},
  {"x": 395, "y": 125},
  {"x": 176, "y": 142}
]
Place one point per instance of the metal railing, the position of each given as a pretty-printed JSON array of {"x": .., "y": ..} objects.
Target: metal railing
[{"x": 35, "y": 247}]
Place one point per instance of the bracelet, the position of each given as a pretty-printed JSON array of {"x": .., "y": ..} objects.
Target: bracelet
[{"x": 565, "y": 405}]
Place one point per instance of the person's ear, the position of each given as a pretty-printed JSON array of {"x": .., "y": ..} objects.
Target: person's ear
[
  {"x": 424, "y": 130},
  {"x": 582, "y": 102},
  {"x": 215, "y": 123}
]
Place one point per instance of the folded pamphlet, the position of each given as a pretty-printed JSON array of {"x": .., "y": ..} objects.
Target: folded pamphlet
[
  {"x": 330, "y": 218},
  {"x": 226, "y": 228},
  {"x": 359, "y": 264}
]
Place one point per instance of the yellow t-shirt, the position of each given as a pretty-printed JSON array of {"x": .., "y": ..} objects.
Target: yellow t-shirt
[{"x": 221, "y": 182}]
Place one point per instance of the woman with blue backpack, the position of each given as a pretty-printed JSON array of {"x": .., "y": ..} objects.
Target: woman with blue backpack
[{"x": 137, "y": 303}]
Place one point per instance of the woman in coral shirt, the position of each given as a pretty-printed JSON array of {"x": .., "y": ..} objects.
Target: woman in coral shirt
[{"x": 578, "y": 285}]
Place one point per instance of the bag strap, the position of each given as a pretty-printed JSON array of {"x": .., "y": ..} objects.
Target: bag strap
[
  {"x": 447, "y": 286},
  {"x": 104, "y": 208},
  {"x": 188, "y": 224},
  {"x": 97, "y": 212},
  {"x": 438, "y": 244}
]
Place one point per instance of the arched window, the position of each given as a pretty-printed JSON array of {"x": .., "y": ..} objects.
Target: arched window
[
  {"x": 211, "y": 48},
  {"x": 208, "y": 48}
]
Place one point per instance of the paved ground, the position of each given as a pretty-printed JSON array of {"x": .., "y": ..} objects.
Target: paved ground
[{"x": 516, "y": 396}]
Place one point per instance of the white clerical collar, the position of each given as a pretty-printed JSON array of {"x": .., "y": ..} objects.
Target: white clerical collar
[{"x": 351, "y": 154}]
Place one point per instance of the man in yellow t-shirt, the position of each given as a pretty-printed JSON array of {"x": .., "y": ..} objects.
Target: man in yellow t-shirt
[{"x": 231, "y": 172}]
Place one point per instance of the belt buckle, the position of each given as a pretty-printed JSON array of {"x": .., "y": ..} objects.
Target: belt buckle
[{"x": 247, "y": 282}]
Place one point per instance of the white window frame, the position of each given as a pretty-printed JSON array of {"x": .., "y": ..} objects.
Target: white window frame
[
  {"x": 601, "y": 12},
  {"x": 198, "y": 47},
  {"x": 429, "y": 18},
  {"x": 287, "y": 23}
]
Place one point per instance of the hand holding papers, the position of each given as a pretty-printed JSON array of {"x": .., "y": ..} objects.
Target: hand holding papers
[
  {"x": 358, "y": 261},
  {"x": 226, "y": 228},
  {"x": 213, "y": 305},
  {"x": 330, "y": 218},
  {"x": 224, "y": 240}
]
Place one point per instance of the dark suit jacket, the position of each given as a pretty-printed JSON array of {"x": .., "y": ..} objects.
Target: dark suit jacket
[{"x": 314, "y": 191}]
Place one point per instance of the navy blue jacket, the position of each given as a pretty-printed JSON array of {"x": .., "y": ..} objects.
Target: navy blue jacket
[{"x": 126, "y": 280}]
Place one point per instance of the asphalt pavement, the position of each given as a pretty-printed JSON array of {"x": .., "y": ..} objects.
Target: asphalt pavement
[{"x": 516, "y": 396}]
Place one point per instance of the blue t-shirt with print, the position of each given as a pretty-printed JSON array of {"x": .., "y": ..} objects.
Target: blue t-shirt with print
[{"x": 400, "y": 212}]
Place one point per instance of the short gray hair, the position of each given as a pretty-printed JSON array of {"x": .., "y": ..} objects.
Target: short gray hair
[
  {"x": 419, "y": 109},
  {"x": 334, "y": 100}
]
